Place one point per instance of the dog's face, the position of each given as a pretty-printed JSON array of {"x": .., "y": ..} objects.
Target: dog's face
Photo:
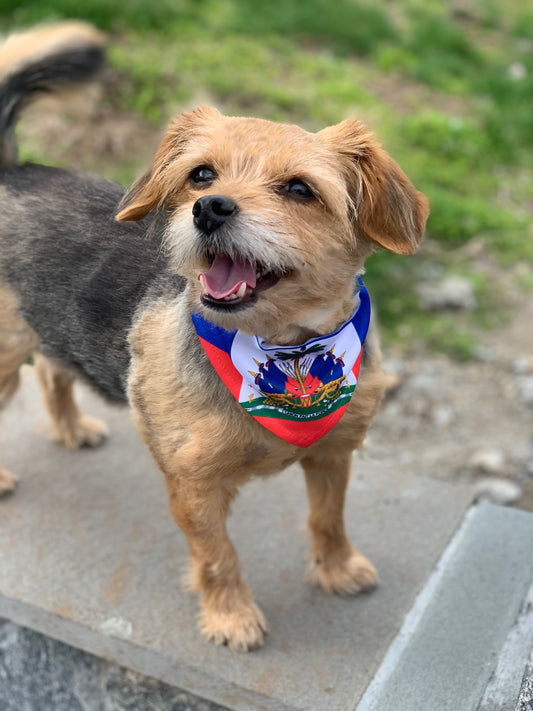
[{"x": 270, "y": 224}]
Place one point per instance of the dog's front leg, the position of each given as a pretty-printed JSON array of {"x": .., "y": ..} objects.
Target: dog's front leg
[
  {"x": 200, "y": 506},
  {"x": 335, "y": 564}
]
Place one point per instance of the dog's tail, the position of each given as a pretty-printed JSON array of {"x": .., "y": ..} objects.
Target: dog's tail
[{"x": 39, "y": 61}]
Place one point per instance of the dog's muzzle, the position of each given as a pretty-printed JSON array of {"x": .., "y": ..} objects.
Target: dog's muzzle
[
  {"x": 231, "y": 282},
  {"x": 211, "y": 211}
]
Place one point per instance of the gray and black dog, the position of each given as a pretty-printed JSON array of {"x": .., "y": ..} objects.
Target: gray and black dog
[
  {"x": 76, "y": 273},
  {"x": 255, "y": 233}
]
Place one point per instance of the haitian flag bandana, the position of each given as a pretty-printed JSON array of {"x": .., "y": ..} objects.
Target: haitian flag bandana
[{"x": 297, "y": 392}]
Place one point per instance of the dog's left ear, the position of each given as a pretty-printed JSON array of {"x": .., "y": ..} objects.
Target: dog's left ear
[
  {"x": 162, "y": 182},
  {"x": 389, "y": 210}
]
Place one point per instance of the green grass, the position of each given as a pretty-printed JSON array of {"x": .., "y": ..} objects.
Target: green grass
[{"x": 465, "y": 135}]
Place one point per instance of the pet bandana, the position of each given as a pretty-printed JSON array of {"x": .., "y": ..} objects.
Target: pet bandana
[{"x": 297, "y": 392}]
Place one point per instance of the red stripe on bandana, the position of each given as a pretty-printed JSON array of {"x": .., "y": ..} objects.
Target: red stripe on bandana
[
  {"x": 357, "y": 365},
  {"x": 229, "y": 374},
  {"x": 305, "y": 433}
]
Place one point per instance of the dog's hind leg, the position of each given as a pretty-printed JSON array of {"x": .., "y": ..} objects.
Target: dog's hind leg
[
  {"x": 69, "y": 425},
  {"x": 17, "y": 342}
]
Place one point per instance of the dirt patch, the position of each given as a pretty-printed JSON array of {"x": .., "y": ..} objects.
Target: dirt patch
[
  {"x": 465, "y": 420},
  {"x": 85, "y": 130}
]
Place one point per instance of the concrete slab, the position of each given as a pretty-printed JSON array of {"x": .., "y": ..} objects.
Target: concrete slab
[
  {"x": 471, "y": 622},
  {"x": 90, "y": 556}
]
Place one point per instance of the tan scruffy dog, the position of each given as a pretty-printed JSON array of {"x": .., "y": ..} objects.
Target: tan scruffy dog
[{"x": 223, "y": 303}]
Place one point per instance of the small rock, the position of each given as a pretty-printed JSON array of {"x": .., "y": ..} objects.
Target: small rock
[
  {"x": 523, "y": 452},
  {"x": 488, "y": 461},
  {"x": 117, "y": 627},
  {"x": 517, "y": 71},
  {"x": 499, "y": 491},
  {"x": 405, "y": 458},
  {"x": 484, "y": 354},
  {"x": 522, "y": 366},
  {"x": 443, "y": 416},
  {"x": 525, "y": 389},
  {"x": 453, "y": 292}
]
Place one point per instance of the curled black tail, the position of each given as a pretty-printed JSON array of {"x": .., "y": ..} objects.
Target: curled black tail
[{"x": 39, "y": 61}]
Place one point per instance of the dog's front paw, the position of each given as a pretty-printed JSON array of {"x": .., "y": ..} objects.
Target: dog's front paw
[
  {"x": 241, "y": 631},
  {"x": 347, "y": 575},
  {"x": 8, "y": 481},
  {"x": 84, "y": 431}
]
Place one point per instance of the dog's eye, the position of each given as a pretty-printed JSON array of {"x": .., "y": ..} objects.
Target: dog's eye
[
  {"x": 201, "y": 175},
  {"x": 298, "y": 190}
]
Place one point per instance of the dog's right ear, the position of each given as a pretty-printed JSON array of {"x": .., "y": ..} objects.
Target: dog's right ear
[
  {"x": 389, "y": 210},
  {"x": 155, "y": 188}
]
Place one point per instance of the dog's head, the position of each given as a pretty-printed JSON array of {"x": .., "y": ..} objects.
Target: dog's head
[{"x": 270, "y": 223}]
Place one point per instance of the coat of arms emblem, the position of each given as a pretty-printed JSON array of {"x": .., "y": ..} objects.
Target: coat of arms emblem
[{"x": 301, "y": 379}]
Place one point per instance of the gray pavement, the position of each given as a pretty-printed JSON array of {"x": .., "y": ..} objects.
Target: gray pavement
[{"x": 90, "y": 556}]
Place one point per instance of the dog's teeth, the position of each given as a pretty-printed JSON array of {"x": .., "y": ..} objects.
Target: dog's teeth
[
  {"x": 241, "y": 290},
  {"x": 202, "y": 283}
]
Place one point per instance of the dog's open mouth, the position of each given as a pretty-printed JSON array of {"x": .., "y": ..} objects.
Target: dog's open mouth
[{"x": 229, "y": 285}]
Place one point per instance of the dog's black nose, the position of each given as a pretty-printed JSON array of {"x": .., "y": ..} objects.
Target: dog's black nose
[{"x": 211, "y": 211}]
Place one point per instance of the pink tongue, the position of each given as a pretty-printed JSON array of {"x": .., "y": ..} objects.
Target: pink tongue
[{"x": 224, "y": 276}]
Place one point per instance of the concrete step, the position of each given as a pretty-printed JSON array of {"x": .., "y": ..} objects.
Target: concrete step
[
  {"x": 91, "y": 557},
  {"x": 466, "y": 642},
  {"x": 38, "y": 673}
]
